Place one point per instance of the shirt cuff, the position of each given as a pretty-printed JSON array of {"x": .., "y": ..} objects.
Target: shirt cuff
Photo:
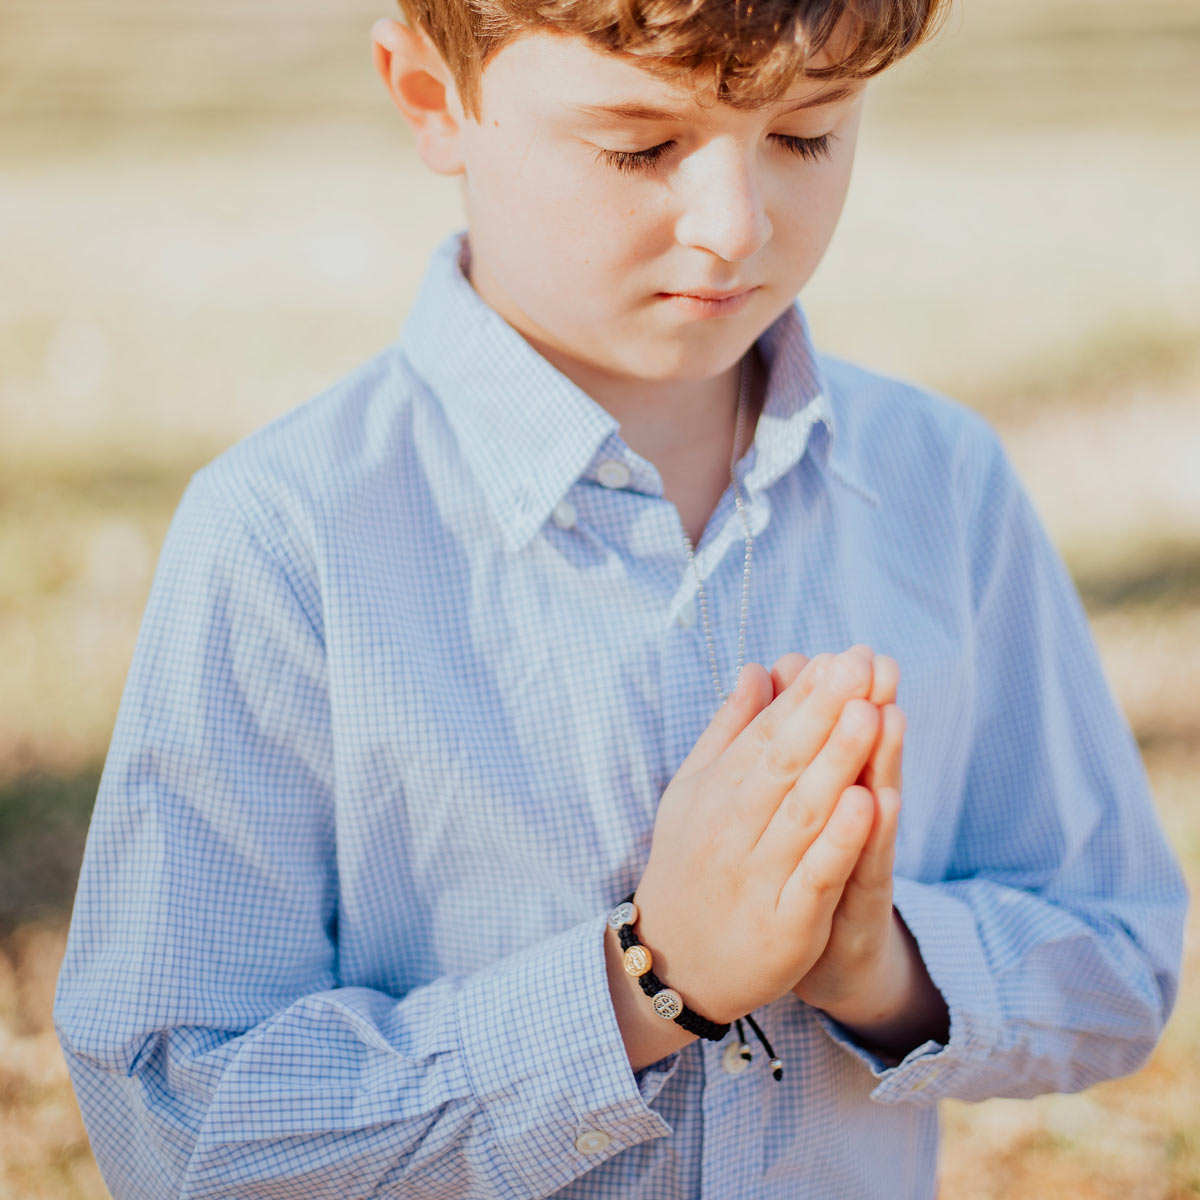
[
  {"x": 948, "y": 939},
  {"x": 547, "y": 1063},
  {"x": 650, "y": 1079}
]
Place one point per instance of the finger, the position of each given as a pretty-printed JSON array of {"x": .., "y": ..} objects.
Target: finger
[
  {"x": 815, "y": 886},
  {"x": 863, "y": 651},
  {"x": 801, "y": 681},
  {"x": 786, "y": 670},
  {"x": 861, "y": 922},
  {"x": 780, "y": 742},
  {"x": 800, "y": 686},
  {"x": 886, "y": 761},
  {"x": 751, "y": 694},
  {"x": 885, "y": 681},
  {"x": 873, "y": 871},
  {"x": 804, "y": 811}
]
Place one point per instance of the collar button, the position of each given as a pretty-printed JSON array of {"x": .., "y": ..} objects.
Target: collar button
[{"x": 612, "y": 473}]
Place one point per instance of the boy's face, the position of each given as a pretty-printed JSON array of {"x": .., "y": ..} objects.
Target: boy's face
[{"x": 583, "y": 255}]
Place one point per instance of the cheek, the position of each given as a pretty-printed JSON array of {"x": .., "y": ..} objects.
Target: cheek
[{"x": 810, "y": 224}]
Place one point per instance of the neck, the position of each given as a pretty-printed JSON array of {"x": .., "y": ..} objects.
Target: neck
[{"x": 683, "y": 427}]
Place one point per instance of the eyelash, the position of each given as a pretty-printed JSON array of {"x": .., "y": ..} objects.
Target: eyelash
[{"x": 633, "y": 161}]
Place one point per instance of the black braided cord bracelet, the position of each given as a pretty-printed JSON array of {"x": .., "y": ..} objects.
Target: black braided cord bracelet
[{"x": 671, "y": 1004}]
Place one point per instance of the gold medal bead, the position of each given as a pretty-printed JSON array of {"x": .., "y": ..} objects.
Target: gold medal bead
[{"x": 637, "y": 960}]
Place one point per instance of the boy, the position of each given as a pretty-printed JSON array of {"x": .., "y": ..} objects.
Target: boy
[{"x": 431, "y": 680}]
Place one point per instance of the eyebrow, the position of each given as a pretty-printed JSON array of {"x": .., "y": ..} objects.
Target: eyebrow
[{"x": 634, "y": 111}]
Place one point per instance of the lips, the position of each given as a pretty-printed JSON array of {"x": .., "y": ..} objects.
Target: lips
[
  {"x": 707, "y": 303},
  {"x": 710, "y": 294}
]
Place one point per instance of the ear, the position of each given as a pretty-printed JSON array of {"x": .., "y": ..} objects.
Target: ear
[{"x": 422, "y": 88}]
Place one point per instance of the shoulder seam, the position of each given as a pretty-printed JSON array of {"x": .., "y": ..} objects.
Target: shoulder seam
[{"x": 220, "y": 487}]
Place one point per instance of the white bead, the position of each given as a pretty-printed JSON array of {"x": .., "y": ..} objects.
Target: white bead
[{"x": 732, "y": 1062}]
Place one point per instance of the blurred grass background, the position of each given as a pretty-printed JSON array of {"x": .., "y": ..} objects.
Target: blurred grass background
[{"x": 207, "y": 214}]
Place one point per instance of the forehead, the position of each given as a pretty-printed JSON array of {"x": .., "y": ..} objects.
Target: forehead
[{"x": 558, "y": 74}]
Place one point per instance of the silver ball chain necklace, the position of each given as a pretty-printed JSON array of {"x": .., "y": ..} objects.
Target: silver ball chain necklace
[{"x": 722, "y": 695}]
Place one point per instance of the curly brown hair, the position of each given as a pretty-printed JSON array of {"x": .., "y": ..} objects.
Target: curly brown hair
[{"x": 745, "y": 53}]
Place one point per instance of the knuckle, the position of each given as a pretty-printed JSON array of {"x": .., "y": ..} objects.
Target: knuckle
[
  {"x": 762, "y": 733},
  {"x": 815, "y": 880},
  {"x": 801, "y": 815},
  {"x": 779, "y": 759},
  {"x": 858, "y": 946}
]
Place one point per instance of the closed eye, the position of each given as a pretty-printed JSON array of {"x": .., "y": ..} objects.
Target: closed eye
[{"x": 632, "y": 161}]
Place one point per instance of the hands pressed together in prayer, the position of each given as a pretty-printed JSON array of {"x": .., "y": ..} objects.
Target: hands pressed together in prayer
[{"x": 771, "y": 863}]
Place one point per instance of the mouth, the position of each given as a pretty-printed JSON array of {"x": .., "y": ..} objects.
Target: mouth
[
  {"x": 708, "y": 303},
  {"x": 709, "y": 294}
]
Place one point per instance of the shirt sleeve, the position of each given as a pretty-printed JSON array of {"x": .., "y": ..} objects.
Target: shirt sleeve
[
  {"x": 1055, "y": 936},
  {"x": 211, "y": 1046}
]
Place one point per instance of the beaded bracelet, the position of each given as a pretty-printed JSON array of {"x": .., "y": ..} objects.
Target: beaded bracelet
[{"x": 667, "y": 1002}]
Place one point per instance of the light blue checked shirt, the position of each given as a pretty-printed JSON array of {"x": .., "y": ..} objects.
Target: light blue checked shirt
[{"x": 419, "y": 659}]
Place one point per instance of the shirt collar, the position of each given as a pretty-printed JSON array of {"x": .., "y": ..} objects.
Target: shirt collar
[{"x": 528, "y": 433}]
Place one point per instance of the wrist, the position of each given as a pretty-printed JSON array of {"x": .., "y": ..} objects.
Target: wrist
[
  {"x": 646, "y": 1035},
  {"x": 880, "y": 994},
  {"x": 899, "y": 1007}
]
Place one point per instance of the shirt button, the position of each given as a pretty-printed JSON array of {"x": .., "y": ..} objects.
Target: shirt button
[
  {"x": 564, "y": 514},
  {"x": 612, "y": 474},
  {"x": 592, "y": 1141},
  {"x": 732, "y": 1062},
  {"x": 686, "y": 616}
]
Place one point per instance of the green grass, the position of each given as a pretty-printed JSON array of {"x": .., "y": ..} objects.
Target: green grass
[{"x": 43, "y": 824}]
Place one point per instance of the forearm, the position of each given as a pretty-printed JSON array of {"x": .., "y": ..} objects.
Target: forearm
[
  {"x": 442, "y": 1092},
  {"x": 902, "y": 1009},
  {"x": 1004, "y": 958}
]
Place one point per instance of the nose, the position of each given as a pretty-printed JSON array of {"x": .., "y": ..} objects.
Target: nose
[{"x": 722, "y": 203}]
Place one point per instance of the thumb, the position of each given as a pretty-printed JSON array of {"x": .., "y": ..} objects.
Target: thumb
[{"x": 752, "y": 693}]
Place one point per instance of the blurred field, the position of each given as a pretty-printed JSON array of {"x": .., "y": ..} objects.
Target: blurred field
[{"x": 207, "y": 214}]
